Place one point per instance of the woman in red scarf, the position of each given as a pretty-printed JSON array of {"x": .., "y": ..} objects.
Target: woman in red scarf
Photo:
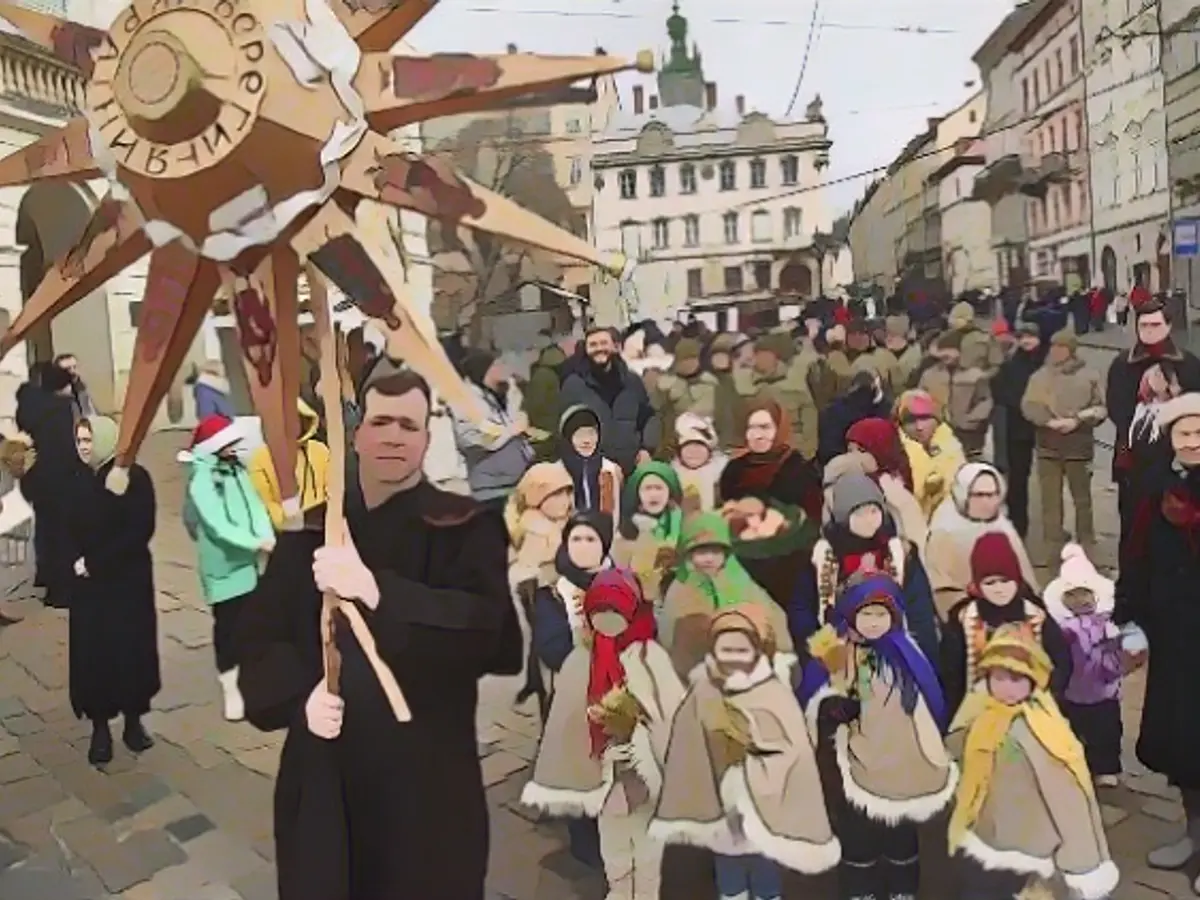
[
  {"x": 772, "y": 496},
  {"x": 605, "y": 741}
]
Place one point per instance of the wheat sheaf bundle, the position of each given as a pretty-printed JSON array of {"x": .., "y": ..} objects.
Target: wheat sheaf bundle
[
  {"x": 17, "y": 454},
  {"x": 618, "y": 713}
]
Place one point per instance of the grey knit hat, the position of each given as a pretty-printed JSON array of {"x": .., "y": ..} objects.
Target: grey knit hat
[{"x": 850, "y": 492}]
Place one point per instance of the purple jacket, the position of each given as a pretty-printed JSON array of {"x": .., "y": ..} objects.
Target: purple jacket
[{"x": 1095, "y": 659}]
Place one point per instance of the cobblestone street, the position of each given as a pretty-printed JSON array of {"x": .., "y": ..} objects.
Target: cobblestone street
[{"x": 191, "y": 818}]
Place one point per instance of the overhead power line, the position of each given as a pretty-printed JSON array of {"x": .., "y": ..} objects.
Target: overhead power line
[{"x": 808, "y": 43}]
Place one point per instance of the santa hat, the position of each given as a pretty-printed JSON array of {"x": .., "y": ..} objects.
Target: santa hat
[
  {"x": 213, "y": 434},
  {"x": 1077, "y": 572},
  {"x": 994, "y": 556},
  {"x": 1182, "y": 407},
  {"x": 691, "y": 428}
]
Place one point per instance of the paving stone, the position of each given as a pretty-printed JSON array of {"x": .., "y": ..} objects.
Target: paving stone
[
  {"x": 1112, "y": 815},
  {"x": 179, "y": 882},
  {"x": 264, "y": 760},
  {"x": 1151, "y": 784},
  {"x": 189, "y": 828},
  {"x": 206, "y": 755},
  {"x": 20, "y": 799},
  {"x": 224, "y": 859},
  {"x": 259, "y": 886},
  {"x": 499, "y": 766},
  {"x": 93, "y": 787},
  {"x": 159, "y": 815},
  {"x": 119, "y": 864},
  {"x": 1170, "y": 883},
  {"x": 48, "y": 748},
  {"x": 19, "y": 767},
  {"x": 1167, "y": 810},
  {"x": 42, "y": 879},
  {"x": 10, "y": 707},
  {"x": 8, "y": 744},
  {"x": 22, "y": 724},
  {"x": 38, "y": 830},
  {"x": 10, "y": 853}
]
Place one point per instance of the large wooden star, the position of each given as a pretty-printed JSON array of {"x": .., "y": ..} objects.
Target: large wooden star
[{"x": 245, "y": 140}]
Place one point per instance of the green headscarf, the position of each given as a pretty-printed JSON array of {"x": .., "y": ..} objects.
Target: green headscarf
[
  {"x": 104, "y": 439},
  {"x": 668, "y": 526},
  {"x": 733, "y": 583}
]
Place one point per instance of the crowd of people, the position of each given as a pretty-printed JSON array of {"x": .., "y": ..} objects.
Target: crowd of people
[{"x": 769, "y": 596}]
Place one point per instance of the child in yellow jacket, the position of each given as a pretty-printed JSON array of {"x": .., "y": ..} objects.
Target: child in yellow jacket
[
  {"x": 312, "y": 465},
  {"x": 934, "y": 453}
]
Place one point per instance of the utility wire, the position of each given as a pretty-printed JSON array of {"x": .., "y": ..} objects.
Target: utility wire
[{"x": 808, "y": 43}]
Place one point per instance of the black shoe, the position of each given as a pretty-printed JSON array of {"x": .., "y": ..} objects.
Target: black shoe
[
  {"x": 100, "y": 750},
  {"x": 136, "y": 738}
]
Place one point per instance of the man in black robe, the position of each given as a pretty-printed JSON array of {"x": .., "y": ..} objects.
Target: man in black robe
[{"x": 368, "y": 808}]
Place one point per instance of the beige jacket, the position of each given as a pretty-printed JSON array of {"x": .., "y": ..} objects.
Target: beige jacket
[
  {"x": 567, "y": 779},
  {"x": 1038, "y": 819},
  {"x": 1067, "y": 390},
  {"x": 963, "y": 394},
  {"x": 769, "y": 801}
]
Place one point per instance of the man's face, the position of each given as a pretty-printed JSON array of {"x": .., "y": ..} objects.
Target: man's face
[
  {"x": 858, "y": 340},
  {"x": 1028, "y": 342},
  {"x": 600, "y": 348},
  {"x": 720, "y": 361},
  {"x": 688, "y": 366},
  {"x": 394, "y": 435},
  {"x": 1152, "y": 328},
  {"x": 1185, "y": 440},
  {"x": 69, "y": 364},
  {"x": 765, "y": 362},
  {"x": 1009, "y": 687},
  {"x": 734, "y": 652},
  {"x": 895, "y": 342}
]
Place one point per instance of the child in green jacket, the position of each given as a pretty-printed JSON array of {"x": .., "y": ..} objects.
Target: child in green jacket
[{"x": 233, "y": 533}]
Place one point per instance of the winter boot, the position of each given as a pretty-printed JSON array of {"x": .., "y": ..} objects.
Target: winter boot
[
  {"x": 136, "y": 738},
  {"x": 100, "y": 750},
  {"x": 235, "y": 708}
]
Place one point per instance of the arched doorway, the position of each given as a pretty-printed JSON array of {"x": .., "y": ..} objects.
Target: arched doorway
[
  {"x": 50, "y": 219},
  {"x": 1108, "y": 267},
  {"x": 1163, "y": 256},
  {"x": 796, "y": 278}
]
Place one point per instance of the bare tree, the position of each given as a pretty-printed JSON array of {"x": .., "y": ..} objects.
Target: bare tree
[{"x": 508, "y": 155}]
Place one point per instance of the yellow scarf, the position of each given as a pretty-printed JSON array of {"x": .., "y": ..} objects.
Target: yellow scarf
[{"x": 988, "y": 722}]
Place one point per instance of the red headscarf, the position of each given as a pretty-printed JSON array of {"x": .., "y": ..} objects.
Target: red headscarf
[
  {"x": 881, "y": 439},
  {"x": 614, "y": 590}
]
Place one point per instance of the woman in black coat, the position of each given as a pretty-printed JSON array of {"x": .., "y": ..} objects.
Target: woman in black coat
[
  {"x": 113, "y": 634},
  {"x": 1156, "y": 591}
]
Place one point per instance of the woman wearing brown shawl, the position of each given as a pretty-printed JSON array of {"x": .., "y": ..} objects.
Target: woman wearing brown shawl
[
  {"x": 741, "y": 774},
  {"x": 772, "y": 498}
]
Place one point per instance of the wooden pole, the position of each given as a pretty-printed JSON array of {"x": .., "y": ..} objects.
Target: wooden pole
[{"x": 329, "y": 386}]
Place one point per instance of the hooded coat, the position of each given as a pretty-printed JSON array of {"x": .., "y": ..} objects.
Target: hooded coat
[
  {"x": 229, "y": 523},
  {"x": 312, "y": 469},
  {"x": 113, "y": 625}
]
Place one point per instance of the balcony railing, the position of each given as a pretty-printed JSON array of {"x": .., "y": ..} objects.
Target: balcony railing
[{"x": 32, "y": 79}]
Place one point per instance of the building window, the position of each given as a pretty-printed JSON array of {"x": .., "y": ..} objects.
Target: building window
[
  {"x": 758, "y": 173},
  {"x": 687, "y": 179},
  {"x": 1037, "y": 89},
  {"x": 1067, "y": 203},
  {"x": 789, "y": 169},
  {"x": 733, "y": 279},
  {"x": 730, "y": 221},
  {"x": 1078, "y": 131},
  {"x": 574, "y": 126},
  {"x": 1056, "y": 209},
  {"x": 1058, "y": 67},
  {"x": 695, "y": 285},
  {"x": 762, "y": 275},
  {"x": 662, "y": 234},
  {"x": 576, "y": 175},
  {"x": 760, "y": 226},
  {"x": 791, "y": 222},
  {"x": 691, "y": 231},
  {"x": 628, "y": 182},
  {"x": 1049, "y": 89},
  {"x": 728, "y": 176},
  {"x": 658, "y": 181},
  {"x": 1074, "y": 54},
  {"x": 1025, "y": 94},
  {"x": 1137, "y": 175},
  {"x": 1053, "y": 138}
]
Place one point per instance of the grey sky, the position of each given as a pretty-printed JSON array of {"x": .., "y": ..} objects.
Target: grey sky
[{"x": 879, "y": 84}]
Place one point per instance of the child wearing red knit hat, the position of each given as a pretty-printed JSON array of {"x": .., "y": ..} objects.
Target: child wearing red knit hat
[{"x": 997, "y": 595}]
